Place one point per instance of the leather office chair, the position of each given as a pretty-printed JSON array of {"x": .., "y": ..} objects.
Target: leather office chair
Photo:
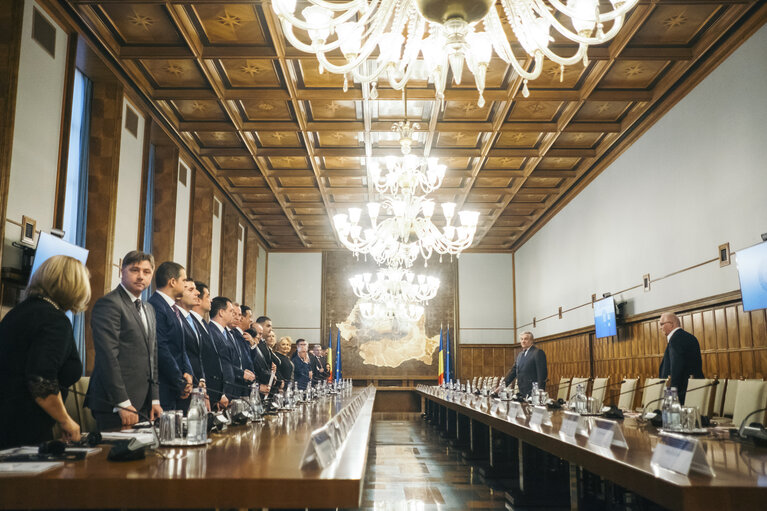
[
  {"x": 574, "y": 385},
  {"x": 719, "y": 390},
  {"x": 653, "y": 390},
  {"x": 752, "y": 395},
  {"x": 599, "y": 388},
  {"x": 627, "y": 394},
  {"x": 701, "y": 398},
  {"x": 564, "y": 388}
]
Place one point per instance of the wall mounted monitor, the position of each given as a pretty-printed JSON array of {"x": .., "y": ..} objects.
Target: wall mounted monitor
[
  {"x": 752, "y": 270},
  {"x": 49, "y": 246},
  {"x": 604, "y": 318}
]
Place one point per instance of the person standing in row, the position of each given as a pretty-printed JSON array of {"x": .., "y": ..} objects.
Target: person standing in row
[{"x": 530, "y": 366}]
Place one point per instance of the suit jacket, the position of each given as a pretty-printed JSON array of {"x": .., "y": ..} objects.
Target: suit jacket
[
  {"x": 125, "y": 367},
  {"x": 527, "y": 369},
  {"x": 173, "y": 361},
  {"x": 211, "y": 362},
  {"x": 243, "y": 348},
  {"x": 284, "y": 368},
  {"x": 262, "y": 363},
  {"x": 316, "y": 365},
  {"x": 193, "y": 345},
  {"x": 681, "y": 360},
  {"x": 230, "y": 361}
]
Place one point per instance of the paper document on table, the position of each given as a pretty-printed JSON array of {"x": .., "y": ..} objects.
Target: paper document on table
[
  {"x": 26, "y": 468},
  {"x": 138, "y": 438}
]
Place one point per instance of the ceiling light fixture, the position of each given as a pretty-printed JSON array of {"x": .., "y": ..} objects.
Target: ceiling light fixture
[
  {"x": 395, "y": 285},
  {"x": 398, "y": 28}
]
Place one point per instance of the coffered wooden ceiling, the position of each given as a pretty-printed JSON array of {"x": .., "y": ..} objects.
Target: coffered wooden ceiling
[{"x": 289, "y": 145}]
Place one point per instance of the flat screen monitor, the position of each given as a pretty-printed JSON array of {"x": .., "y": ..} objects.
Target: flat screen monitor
[
  {"x": 49, "y": 246},
  {"x": 604, "y": 317},
  {"x": 752, "y": 270}
]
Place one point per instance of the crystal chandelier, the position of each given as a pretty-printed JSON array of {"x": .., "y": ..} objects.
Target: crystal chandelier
[
  {"x": 397, "y": 240},
  {"x": 398, "y": 28},
  {"x": 400, "y": 311},
  {"x": 395, "y": 285}
]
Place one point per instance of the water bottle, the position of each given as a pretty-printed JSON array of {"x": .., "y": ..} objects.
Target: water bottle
[
  {"x": 580, "y": 401},
  {"x": 197, "y": 418},
  {"x": 675, "y": 412},
  {"x": 535, "y": 393},
  {"x": 665, "y": 409}
]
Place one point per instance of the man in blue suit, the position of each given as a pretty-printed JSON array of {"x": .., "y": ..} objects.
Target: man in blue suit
[
  {"x": 176, "y": 373},
  {"x": 529, "y": 367},
  {"x": 237, "y": 377},
  {"x": 211, "y": 360}
]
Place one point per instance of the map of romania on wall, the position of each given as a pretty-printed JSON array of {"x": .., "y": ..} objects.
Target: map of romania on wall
[
  {"x": 385, "y": 348},
  {"x": 385, "y": 343}
]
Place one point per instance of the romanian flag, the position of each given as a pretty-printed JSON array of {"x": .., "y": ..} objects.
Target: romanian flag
[
  {"x": 330, "y": 353},
  {"x": 448, "y": 377},
  {"x": 441, "y": 375}
]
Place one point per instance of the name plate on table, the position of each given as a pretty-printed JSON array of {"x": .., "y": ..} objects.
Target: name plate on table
[
  {"x": 494, "y": 407},
  {"x": 320, "y": 449},
  {"x": 516, "y": 411},
  {"x": 540, "y": 416},
  {"x": 606, "y": 433},
  {"x": 681, "y": 454},
  {"x": 574, "y": 424}
]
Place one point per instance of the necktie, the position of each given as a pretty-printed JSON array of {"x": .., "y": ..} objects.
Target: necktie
[
  {"x": 190, "y": 320},
  {"x": 137, "y": 303}
]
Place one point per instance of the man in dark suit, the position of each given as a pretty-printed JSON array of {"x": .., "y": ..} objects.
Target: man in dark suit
[
  {"x": 242, "y": 344},
  {"x": 681, "y": 359},
  {"x": 263, "y": 365},
  {"x": 529, "y": 367},
  {"x": 264, "y": 327},
  {"x": 176, "y": 375},
  {"x": 211, "y": 361},
  {"x": 193, "y": 341},
  {"x": 124, "y": 379},
  {"x": 318, "y": 367},
  {"x": 236, "y": 377}
]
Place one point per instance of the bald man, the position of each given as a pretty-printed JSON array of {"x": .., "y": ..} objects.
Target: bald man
[{"x": 682, "y": 357}]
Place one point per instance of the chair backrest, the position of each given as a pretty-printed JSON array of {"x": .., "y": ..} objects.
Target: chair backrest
[
  {"x": 716, "y": 409},
  {"x": 701, "y": 398},
  {"x": 627, "y": 393},
  {"x": 599, "y": 388},
  {"x": 564, "y": 388},
  {"x": 653, "y": 390},
  {"x": 729, "y": 397},
  {"x": 574, "y": 385},
  {"x": 752, "y": 395}
]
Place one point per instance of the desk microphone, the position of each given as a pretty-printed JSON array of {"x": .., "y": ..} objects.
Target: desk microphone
[
  {"x": 643, "y": 387},
  {"x": 754, "y": 431},
  {"x": 608, "y": 385},
  {"x": 654, "y": 419}
]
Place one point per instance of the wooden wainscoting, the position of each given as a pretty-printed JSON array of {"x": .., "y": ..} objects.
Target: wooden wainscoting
[{"x": 733, "y": 344}]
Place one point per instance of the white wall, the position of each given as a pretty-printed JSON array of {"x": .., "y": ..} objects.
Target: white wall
[
  {"x": 695, "y": 180},
  {"x": 261, "y": 266},
  {"x": 486, "y": 298},
  {"x": 36, "y": 133},
  {"x": 294, "y": 294},
  {"x": 215, "y": 254},
  {"x": 127, "y": 209},
  {"x": 183, "y": 199},
  {"x": 240, "y": 275}
]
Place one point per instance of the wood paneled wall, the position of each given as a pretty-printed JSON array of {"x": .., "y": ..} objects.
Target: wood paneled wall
[
  {"x": 201, "y": 233},
  {"x": 165, "y": 191},
  {"x": 733, "y": 344},
  {"x": 229, "y": 227},
  {"x": 103, "y": 170},
  {"x": 10, "y": 50}
]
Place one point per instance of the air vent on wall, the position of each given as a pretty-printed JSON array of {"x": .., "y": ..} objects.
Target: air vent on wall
[
  {"x": 44, "y": 32},
  {"x": 131, "y": 121}
]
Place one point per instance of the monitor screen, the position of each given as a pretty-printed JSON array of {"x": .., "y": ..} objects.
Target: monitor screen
[
  {"x": 604, "y": 317},
  {"x": 752, "y": 270},
  {"x": 49, "y": 246}
]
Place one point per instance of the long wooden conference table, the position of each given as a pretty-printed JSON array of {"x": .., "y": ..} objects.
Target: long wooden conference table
[
  {"x": 542, "y": 466},
  {"x": 250, "y": 466}
]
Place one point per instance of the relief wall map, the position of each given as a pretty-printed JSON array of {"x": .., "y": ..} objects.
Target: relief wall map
[{"x": 386, "y": 348}]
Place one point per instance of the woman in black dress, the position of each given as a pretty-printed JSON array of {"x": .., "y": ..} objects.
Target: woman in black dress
[
  {"x": 302, "y": 369},
  {"x": 38, "y": 355},
  {"x": 285, "y": 370}
]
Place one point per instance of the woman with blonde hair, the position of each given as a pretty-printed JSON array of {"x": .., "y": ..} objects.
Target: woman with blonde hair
[
  {"x": 38, "y": 355},
  {"x": 285, "y": 369}
]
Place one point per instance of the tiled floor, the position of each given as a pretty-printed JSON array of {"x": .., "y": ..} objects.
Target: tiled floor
[{"x": 409, "y": 469}]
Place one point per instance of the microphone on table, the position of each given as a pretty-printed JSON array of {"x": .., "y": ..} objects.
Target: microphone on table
[
  {"x": 126, "y": 450},
  {"x": 754, "y": 432},
  {"x": 608, "y": 385},
  {"x": 655, "y": 421}
]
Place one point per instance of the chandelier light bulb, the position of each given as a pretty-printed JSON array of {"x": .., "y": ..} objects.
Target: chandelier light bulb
[{"x": 441, "y": 34}]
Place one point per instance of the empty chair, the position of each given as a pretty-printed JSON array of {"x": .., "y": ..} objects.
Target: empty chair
[
  {"x": 701, "y": 398},
  {"x": 599, "y": 389},
  {"x": 729, "y": 397},
  {"x": 564, "y": 388},
  {"x": 627, "y": 393},
  {"x": 574, "y": 385},
  {"x": 716, "y": 409},
  {"x": 653, "y": 391},
  {"x": 752, "y": 395}
]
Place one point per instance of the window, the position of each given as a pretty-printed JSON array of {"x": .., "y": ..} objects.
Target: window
[{"x": 76, "y": 193}]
